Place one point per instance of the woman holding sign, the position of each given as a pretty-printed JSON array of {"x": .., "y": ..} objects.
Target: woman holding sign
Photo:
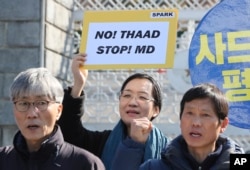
[{"x": 140, "y": 102}]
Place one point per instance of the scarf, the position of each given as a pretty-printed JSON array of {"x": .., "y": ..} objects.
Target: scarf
[{"x": 154, "y": 145}]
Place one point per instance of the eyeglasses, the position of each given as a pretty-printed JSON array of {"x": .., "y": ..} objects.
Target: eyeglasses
[
  {"x": 41, "y": 105},
  {"x": 141, "y": 98}
]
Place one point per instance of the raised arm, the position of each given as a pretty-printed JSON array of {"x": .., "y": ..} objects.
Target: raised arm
[
  {"x": 80, "y": 74},
  {"x": 70, "y": 121}
]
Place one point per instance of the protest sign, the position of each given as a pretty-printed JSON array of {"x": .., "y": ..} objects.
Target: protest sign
[{"x": 129, "y": 39}]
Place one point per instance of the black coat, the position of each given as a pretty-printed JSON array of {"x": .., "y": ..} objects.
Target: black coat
[
  {"x": 54, "y": 154},
  {"x": 73, "y": 130},
  {"x": 176, "y": 156}
]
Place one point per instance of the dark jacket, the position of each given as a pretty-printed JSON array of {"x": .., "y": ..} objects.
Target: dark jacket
[
  {"x": 176, "y": 157},
  {"x": 54, "y": 154},
  {"x": 73, "y": 131},
  {"x": 101, "y": 143}
]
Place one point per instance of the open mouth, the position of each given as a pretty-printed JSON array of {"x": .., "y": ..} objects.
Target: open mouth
[
  {"x": 195, "y": 134},
  {"x": 33, "y": 127},
  {"x": 132, "y": 112}
]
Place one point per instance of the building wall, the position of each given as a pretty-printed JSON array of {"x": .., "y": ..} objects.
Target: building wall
[{"x": 33, "y": 33}]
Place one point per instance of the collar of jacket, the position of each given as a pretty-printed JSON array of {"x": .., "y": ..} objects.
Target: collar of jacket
[{"x": 49, "y": 148}]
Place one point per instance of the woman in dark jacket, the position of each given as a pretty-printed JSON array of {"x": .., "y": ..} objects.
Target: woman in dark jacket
[
  {"x": 39, "y": 144},
  {"x": 140, "y": 102},
  {"x": 203, "y": 116}
]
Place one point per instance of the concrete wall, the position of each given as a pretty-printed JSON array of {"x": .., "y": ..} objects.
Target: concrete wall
[{"x": 33, "y": 33}]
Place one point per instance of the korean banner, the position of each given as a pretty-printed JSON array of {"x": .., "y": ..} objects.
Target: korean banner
[{"x": 220, "y": 53}]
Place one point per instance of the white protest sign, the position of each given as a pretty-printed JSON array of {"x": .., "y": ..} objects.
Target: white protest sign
[{"x": 129, "y": 39}]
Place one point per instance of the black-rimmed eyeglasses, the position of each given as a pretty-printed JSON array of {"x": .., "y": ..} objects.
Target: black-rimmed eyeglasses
[{"x": 41, "y": 105}]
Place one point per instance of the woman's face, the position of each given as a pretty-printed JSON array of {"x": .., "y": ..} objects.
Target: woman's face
[{"x": 136, "y": 101}]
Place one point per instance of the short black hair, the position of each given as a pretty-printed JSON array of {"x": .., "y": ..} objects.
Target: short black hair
[{"x": 207, "y": 90}]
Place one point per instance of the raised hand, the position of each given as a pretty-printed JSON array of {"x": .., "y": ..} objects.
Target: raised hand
[{"x": 80, "y": 74}]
